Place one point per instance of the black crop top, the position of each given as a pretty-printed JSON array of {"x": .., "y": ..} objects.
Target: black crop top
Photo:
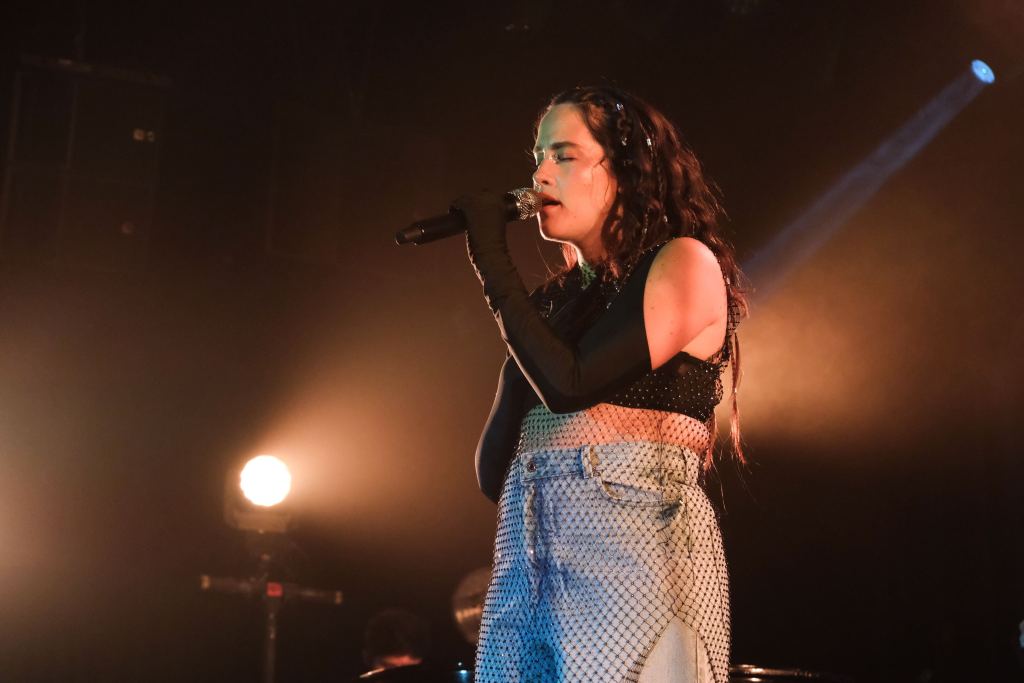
[{"x": 580, "y": 316}]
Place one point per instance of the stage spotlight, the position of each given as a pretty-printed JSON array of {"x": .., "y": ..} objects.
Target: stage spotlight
[
  {"x": 254, "y": 496},
  {"x": 982, "y": 71},
  {"x": 265, "y": 480},
  {"x": 254, "y": 502}
]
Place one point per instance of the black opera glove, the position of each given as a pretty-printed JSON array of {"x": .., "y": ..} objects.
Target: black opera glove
[
  {"x": 567, "y": 377},
  {"x": 486, "y": 243},
  {"x": 497, "y": 445}
]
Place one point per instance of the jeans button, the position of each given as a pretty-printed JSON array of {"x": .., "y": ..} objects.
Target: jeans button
[{"x": 531, "y": 465}]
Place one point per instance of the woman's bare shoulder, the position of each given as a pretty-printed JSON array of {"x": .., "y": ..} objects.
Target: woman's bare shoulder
[{"x": 683, "y": 259}]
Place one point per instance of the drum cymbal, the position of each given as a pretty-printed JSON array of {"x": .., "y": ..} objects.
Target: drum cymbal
[
  {"x": 419, "y": 673},
  {"x": 468, "y": 603},
  {"x": 743, "y": 673}
]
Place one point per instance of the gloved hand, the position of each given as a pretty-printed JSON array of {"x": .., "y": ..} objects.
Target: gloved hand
[
  {"x": 487, "y": 246},
  {"x": 485, "y": 215}
]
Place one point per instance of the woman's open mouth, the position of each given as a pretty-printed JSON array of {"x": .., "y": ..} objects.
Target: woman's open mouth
[{"x": 548, "y": 202}]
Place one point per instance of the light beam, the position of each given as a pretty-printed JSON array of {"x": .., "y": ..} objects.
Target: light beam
[{"x": 799, "y": 240}]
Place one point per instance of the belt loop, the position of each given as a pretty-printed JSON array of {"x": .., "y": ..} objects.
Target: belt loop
[{"x": 591, "y": 464}]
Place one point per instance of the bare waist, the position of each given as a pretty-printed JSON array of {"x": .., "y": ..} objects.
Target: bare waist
[{"x": 605, "y": 424}]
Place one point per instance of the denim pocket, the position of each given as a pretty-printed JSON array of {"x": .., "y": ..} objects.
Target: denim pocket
[{"x": 630, "y": 473}]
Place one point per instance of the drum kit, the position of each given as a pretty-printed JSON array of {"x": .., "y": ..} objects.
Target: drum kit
[{"x": 467, "y": 608}]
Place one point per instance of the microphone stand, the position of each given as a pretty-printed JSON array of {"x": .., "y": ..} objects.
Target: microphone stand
[{"x": 274, "y": 594}]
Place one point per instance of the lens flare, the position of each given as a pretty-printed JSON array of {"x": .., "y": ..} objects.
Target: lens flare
[{"x": 265, "y": 480}]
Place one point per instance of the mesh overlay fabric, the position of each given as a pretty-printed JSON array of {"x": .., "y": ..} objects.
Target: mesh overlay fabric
[{"x": 605, "y": 536}]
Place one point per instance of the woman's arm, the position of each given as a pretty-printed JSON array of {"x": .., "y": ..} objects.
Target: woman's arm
[
  {"x": 685, "y": 302},
  {"x": 616, "y": 350},
  {"x": 501, "y": 431}
]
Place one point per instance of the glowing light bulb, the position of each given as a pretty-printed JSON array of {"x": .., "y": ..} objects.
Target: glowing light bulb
[{"x": 265, "y": 480}]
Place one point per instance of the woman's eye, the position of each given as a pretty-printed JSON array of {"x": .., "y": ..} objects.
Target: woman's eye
[{"x": 557, "y": 159}]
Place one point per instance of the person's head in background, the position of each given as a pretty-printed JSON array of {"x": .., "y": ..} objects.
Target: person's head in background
[{"x": 395, "y": 637}]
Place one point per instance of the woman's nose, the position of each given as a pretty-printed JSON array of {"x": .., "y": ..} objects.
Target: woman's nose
[{"x": 541, "y": 176}]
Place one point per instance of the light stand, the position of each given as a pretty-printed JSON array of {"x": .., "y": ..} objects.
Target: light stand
[
  {"x": 273, "y": 594},
  {"x": 266, "y": 481}
]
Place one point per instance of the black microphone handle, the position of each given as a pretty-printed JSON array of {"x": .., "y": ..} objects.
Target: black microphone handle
[
  {"x": 430, "y": 229},
  {"x": 519, "y": 205}
]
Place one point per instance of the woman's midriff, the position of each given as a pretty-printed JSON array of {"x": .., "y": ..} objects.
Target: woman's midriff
[{"x": 605, "y": 423}]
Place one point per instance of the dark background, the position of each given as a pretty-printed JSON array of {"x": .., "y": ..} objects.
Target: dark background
[{"x": 878, "y": 530}]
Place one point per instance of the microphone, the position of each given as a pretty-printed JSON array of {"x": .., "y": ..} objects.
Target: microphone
[{"x": 520, "y": 204}]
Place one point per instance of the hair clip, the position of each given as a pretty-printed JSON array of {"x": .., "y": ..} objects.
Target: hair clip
[{"x": 624, "y": 140}]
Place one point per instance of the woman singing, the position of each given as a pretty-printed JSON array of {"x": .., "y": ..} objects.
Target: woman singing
[{"x": 608, "y": 562}]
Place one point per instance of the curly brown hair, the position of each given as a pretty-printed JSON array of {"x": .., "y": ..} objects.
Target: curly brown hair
[{"x": 663, "y": 194}]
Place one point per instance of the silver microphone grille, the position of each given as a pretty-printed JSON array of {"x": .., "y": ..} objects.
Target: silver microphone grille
[{"x": 528, "y": 202}]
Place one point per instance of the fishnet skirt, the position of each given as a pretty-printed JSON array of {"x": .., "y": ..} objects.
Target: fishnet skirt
[{"x": 604, "y": 538}]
